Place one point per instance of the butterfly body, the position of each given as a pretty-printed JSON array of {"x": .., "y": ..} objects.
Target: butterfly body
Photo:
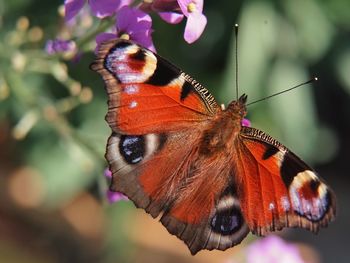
[{"x": 174, "y": 152}]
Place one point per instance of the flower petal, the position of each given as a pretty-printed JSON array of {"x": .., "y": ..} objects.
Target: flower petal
[
  {"x": 104, "y": 8},
  {"x": 128, "y": 19},
  {"x": 99, "y": 39},
  {"x": 124, "y": 3},
  {"x": 113, "y": 197},
  {"x": 195, "y": 25},
  {"x": 144, "y": 39},
  {"x": 171, "y": 18},
  {"x": 273, "y": 249},
  {"x": 184, "y": 6},
  {"x": 246, "y": 122},
  {"x": 136, "y": 24},
  {"x": 107, "y": 173},
  {"x": 72, "y": 8}
]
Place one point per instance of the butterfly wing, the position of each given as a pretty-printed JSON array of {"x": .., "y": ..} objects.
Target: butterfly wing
[
  {"x": 157, "y": 114},
  {"x": 278, "y": 188},
  {"x": 146, "y": 93},
  {"x": 173, "y": 181}
]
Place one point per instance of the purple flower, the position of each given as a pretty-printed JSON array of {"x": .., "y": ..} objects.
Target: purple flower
[
  {"x": 108, "y": 174},
  {"x": 273, "y": 249},
  {"x": 99, "y": 8},
  {"x": 131, "y": 24},
  {"x": 196, "y": 21},
  {"x": 173, "y": 11},
  {"x": 59, "y": 46},
  {"x": 171, "y": 17},
  {"x": 168, "y": 10},
  {"x": 112, "y": 196},
  {"x": 246, "y": 122}
]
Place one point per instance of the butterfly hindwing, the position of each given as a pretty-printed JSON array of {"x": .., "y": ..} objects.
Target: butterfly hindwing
[
  {"x": 141, "y": 169},
  {"x": 222, "y": 227},
  {"x": 290, "y": 193},
  {"x": 163, "y": 178}
]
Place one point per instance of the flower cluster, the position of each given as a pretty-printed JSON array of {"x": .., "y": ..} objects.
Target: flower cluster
[
  {"x": 59, "y": 46},
  {"x": 173, "y": 12},
  {"x": 133, "y": 21}
]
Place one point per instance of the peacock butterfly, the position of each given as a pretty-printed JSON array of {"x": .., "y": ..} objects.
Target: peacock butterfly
[{"x": 174, "y": 152}]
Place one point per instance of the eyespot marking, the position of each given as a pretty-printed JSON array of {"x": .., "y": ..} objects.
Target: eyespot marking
[
  {"x": 227, "y": 222},
  {"x": 129, "y": 63},
  {"x": 309, "y": 196},
  {"x": 132, "y": 148}
]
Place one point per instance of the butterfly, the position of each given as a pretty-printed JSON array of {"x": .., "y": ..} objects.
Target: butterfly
[{"x": 178, "y": 155}]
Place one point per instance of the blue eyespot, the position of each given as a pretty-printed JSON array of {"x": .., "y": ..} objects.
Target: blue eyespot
[{"x": 132, "y": 148}]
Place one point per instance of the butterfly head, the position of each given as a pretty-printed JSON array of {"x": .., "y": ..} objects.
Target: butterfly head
[{"x": 238, "y": 106}]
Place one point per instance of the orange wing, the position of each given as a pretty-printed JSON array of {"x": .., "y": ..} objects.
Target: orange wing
[
  {"x": 146, "y": 93},
  {"x": 278, "y": 189}
]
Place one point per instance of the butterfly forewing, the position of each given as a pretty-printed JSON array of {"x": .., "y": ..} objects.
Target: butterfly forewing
[{"x": 146, "y": 93}]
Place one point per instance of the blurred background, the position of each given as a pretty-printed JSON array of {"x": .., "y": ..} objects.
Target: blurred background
[{"x": 53, "y": 134}]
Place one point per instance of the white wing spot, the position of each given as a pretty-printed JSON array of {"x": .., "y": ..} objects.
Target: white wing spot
[
  {"x": 285, "y": 203},
  {"x": 131, "y": 89},
  {"x": 132, "y": 104}
]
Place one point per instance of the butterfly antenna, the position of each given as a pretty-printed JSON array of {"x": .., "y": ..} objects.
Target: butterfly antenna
[
  {"x": 236, "y": 59},
  {"x": 284, "y": 91}
]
